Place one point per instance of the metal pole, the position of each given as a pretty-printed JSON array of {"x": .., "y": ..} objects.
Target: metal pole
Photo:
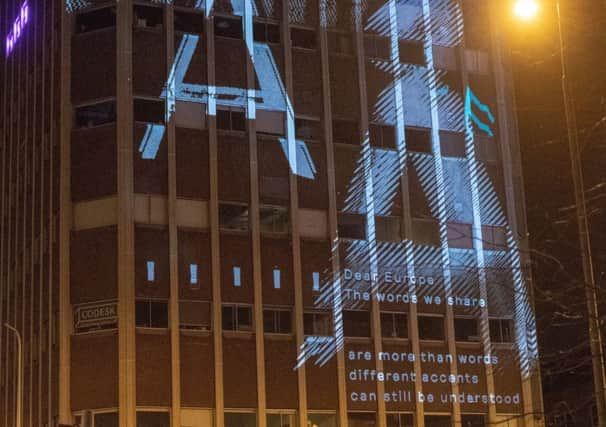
[
  {"x": 595, "y": 335},
  {"x": 18, "y": 422}
]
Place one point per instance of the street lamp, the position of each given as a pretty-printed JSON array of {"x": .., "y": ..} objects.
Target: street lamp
[
  {"x": 526, "y": 10},
  {"x": 18, "y": 422}
]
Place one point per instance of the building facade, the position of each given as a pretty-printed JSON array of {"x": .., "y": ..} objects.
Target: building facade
[{"x": 262, "y": 213}]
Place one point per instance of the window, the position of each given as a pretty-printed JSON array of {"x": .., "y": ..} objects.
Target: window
[
  {"x": 361, "y": 419},
  {"x": 303, "y": 37},
  {"x": 151, "y": 314},
  {"x": 468, "y": 420},
  {"x": 190, "y": 115},
  {"x": 321, "y": 420},
  {"x": 237, "y": 317},
  {"x": 274, "y": 219},
  {"x": 149, "y": 110},
  {"x": 240, "y": 419},
  {"x": 148, "y": 17},
  {"x": 431, "y": 327},
  {"x": 425, "y": 232},
  {"x": 231, "y": 120},
  {"x": 317, "y": 323},
  {"x": 388, "y": 228},
  {"x": 194, "y": 315},
  {"x": 98, "y": 114},
  {"x": 501, "y": 330},
  {"x": 266, "y": 32},
  {"x": 382, "y": 135},
  {"x": 352, "y": 226},
  {"x": 277, "y": 321},
  {"x": 233, "y": 217},
  {"x": 412, "y": 52},
  {"x": 466, "y": 329},
  {"x": 153, "y": 419},
  {"x": 452, "y": 144},
  {"x": 193, "y": 276},
  {"x": 281, "y": 420},
  {"x": 106, "y": 419},
  {"x": 346, "y": 131},
  {"x": 356, "y": 323},
  {"x": 377, "y": 46},
  {"x": 192, "y": 23},
  {"x": 95, "y": 20},
  {"x": 494, "y": 237},
  {"x": 399, "y": 420},
  {"x": 228, "y": 27},
  {"x": 340, "y": 43},
  {"x": 460, "y": 235},
  {"x": 151, "y": 271},
  {"x": 394, "y": 325},
  {"x": 437, "y": 421},
  {"x": 308, "y": 129},
  {"x": 418, "y": 140}
]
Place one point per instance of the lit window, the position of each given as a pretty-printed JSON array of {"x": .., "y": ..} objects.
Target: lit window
[
  {"x": 193, "y": 275},
  {"x": 237, "y": 317},
  {"x": 237, "y": 277},
  {"x": 151, "y": 271},
  {"x": 276, "y": 279},
  {"x": 277, "y": 321},
  {"x": 315, "y": 280}
]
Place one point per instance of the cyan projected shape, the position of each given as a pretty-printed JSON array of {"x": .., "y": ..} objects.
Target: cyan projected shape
[{"x": 470, "y": 100}]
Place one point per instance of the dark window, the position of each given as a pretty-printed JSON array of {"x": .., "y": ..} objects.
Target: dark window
[
  {"x": 382, "y": 135},
  {"x": 460, "y": 235},
  {"x": 340, "y": 43},
  {"x": 95, "y": 114},
  {"x": 377, "y": 46},
  {"x": 494, "y": 237},
  {"x": 303, "y": 37},
  {"x": 152, "y": 419},
  {"x": 240, "y": 419},
  {"x": 151, "y": 314},
  {"x": 274, "y": 219},
  {"x": 425, "y": 232},
  {"x": 437, "y": 421},
  {"x": 317, "y": 323},
  {"x": 399, "y": 420},
  {"x": 107, "y": 419},
  {"x": 361, "y": 419},
  {"x": 472, "y": 420},
  {"x": 96, "y": 20},
  {"x": 228, "y": 27},
  {"x": 418, "y": 140},
  {"x": 194, "y": 315},
  {"x": 452, "y": 144},
  {"x": 356, "y": 323},
  {"x": 466, "y": 329},
  {"x": 501, "y": 330},
  {"x": 388, "y": 228},
  {"x": 192, "y": 23},
  {"x": 394, "y": 325},
  {"x": 412, "y": 52},
  {"x": 149, "y": 110},
  {"x": 431, "y": 327},
  {"x": 233, "y": 216},
  {"x": 346, "y": 131},
  {"x": 231, "y": 120},
  {"x": 237, "y": 318},
  {"x": 308, "y": 129},
  {"x": 148, "y": 17},
  {"x": 277, "y": 321},
  {"x": 266, "y": 32},
  {"x": 352, "y": 226}
]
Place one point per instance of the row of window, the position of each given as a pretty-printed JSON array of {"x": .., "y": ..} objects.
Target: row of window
[
  {"x": 283, "y": 419},
  {"x": 356, "y": 324}
]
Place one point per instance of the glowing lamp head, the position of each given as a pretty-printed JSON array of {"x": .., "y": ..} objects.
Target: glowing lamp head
[{"x": 526, "y": 9}]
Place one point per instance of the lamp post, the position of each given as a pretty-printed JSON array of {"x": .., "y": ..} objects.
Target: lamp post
[
  {"x": 527, "y": 9},
  {"x": 18, "y": 422}
]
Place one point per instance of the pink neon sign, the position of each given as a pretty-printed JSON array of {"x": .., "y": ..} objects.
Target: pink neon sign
[{"x": 17, "y": 29}]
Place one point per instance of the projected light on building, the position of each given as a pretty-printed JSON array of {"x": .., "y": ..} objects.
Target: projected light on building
[{"x": 17, "y": 29}]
